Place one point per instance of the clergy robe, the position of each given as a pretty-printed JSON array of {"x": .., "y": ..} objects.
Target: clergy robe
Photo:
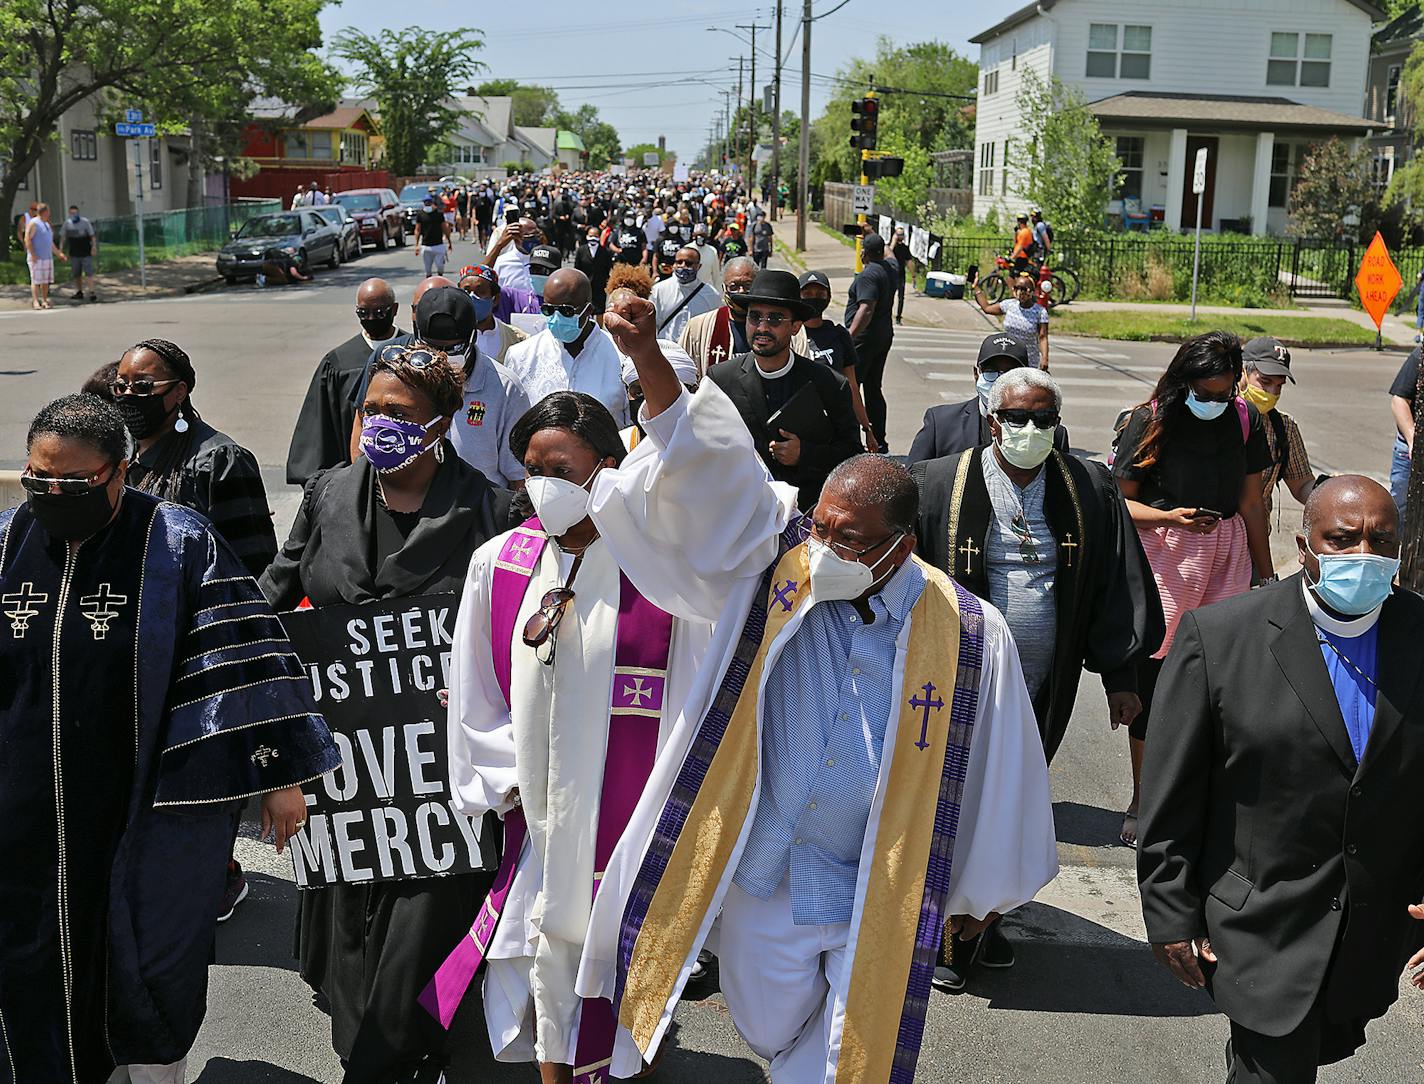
[
  {"x": 370, "y": 947},
  {"x": 322, "y": 435},
  {"x": 1109, "y": 615},
  {"x": 700, "y": 526},
  {"x": 549, "y": 741},
  {"x": 148, "y": 689}
]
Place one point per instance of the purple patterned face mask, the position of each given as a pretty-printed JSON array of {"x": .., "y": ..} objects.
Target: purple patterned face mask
[{"x": 391, "y": 444}]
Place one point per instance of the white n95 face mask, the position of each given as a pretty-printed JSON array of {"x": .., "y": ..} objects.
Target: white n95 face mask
[
  {"x": 559, "y": 503},
  {"x": 836, "y": 579}
]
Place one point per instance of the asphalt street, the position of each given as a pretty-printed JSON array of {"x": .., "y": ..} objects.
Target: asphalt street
[{"x": 1085, "y": 1003}]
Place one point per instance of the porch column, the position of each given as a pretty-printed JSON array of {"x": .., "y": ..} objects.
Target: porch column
[
  {"x": 1261, "y": 182},
  {"x": 1176, "y": 178}
]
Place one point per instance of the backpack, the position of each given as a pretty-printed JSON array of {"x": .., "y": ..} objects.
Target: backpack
[{"x": 1241, "y": 415}]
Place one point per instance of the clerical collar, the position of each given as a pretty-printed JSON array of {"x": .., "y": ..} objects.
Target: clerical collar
[
  {"x": 1326, "y": 622},
  {"x": 778, "y": 373},
  {"x": 376, "y": 344}
]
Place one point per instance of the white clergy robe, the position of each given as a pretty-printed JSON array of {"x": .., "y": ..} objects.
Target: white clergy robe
[
  {"x": 694, "y": 518},
  {"x": 542, "y": 364},
  {"x": 550, "y": 744}
]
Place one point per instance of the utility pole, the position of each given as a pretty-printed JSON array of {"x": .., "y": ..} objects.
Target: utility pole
[
  {"x": 776, "y": 121},
  {"x": 736, "y": 146},
  {"x": 803, "y": 161},
  {"x": 751, "y": 109}
]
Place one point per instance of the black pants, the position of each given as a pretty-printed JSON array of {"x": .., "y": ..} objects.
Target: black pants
[
  {"x": 1294, "y": 1058},
  {"x": 900, "y": 297},
  {"x": 1148, "y": 670},
  {"x": 870, "y": 371}
]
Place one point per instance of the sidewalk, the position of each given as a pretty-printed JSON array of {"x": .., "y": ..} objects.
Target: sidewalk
[{"x": 167, "y": 279}]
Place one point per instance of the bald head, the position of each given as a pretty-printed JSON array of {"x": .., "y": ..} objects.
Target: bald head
[
  {"x": 374, "y": 294},
  {"x": 875, "y": 483},
  {"x": 568, "y": 286},
  {"x": 428, "y": 284},
  {"x": 1344, "y": 497}
]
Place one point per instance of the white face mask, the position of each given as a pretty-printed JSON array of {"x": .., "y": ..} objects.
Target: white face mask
[
  {"x": 559, "y": 503},
  {"x": 1025, "y": 446},
  {"x": 836, "y": 579}
]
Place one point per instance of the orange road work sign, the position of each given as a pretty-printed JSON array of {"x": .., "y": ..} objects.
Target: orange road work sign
[{"x": 1378, "y": 280}]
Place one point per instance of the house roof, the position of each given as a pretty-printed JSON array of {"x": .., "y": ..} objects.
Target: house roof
[
  {"x": 1401, "y": 30},
  {"x": 1224, "y": 111},
  {"x": 570, "y": 141},
  {"x": 543, "y": 140},
  {"x": 343, "y": 117},
  {"x": 1024, "y": 14}
]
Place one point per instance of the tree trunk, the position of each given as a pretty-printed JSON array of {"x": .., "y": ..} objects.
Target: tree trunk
[
  {"x": 1411, "y": 573},
  {"x": 197, "y": 157}
]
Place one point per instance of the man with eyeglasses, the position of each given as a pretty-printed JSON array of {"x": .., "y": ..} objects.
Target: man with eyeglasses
[
  {"x": 956, "y": 427},
  {"x": 1046, "y": 538},
  {"x": 713, "y": 337},
  {"x": 322, "y": 435},
  {"x": 800, "y": 413},
  {"x": 572, "y": 353}
]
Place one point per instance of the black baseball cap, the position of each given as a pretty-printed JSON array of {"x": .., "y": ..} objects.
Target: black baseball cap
[
  {"x": 1002, "y": 346},
  {"x": 1269, "y": 356},
  {"x": 815, "y": 278},
  {"x": 545, "y": 258},
  {"x": 445, "y": 314}
]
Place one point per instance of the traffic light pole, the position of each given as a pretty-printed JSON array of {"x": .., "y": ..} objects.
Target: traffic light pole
[{"x": 803, "y": 159}]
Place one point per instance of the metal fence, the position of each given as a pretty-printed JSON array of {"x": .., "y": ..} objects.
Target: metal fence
[{"x": 167, "y": 234}]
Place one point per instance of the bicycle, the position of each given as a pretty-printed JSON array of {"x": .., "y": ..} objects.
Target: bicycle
[{"x": 1053, "y": 290}]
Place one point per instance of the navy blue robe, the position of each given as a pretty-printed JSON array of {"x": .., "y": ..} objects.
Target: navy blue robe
[{"x": 146, "y": 689}]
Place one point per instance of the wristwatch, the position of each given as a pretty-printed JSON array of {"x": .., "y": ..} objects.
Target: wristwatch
[{"x": 1272, "y": 578}]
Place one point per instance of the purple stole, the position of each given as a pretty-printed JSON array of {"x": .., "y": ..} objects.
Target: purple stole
[{"x": 644, "y": 639}]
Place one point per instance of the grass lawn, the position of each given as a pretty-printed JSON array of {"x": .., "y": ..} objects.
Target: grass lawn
[
  {"x": 1143, "y": 326},
  {"x": 112, "y": 257},
  {"x": 842, "y": 238}
]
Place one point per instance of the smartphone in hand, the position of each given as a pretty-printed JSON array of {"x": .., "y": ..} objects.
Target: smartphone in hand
[{"x": 1206, "y": 513}]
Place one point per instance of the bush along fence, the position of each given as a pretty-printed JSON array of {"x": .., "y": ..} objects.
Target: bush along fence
[{"x": 168, "y": 234}]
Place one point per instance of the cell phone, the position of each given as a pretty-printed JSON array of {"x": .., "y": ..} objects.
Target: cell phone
[
  {"x": 1206, "y": 513},
  {"x": 511, "y": 216}
]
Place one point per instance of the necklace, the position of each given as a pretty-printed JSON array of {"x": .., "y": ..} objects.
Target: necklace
[{"x": 1347, "y": 660}]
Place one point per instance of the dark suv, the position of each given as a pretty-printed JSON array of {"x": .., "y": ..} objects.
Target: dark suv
[{"x": 377, "y": 213}]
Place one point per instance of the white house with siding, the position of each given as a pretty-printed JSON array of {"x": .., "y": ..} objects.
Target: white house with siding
[{"x": 1254, "y": 81}]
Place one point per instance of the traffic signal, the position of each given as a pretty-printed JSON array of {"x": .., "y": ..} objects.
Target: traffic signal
[
  {"x": 865, "y": 123},
  {"x": 875, "y": 168}
]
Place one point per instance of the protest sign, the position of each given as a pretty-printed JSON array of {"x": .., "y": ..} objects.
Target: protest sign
[{"x": 385, "y": 814}]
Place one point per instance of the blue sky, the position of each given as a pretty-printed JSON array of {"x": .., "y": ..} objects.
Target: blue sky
[{"x": 636, "y": 61}]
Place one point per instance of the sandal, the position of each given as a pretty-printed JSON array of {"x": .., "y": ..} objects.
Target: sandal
[{"x": 1128, "y": 819}]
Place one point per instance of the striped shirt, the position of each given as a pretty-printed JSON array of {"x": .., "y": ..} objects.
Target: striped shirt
[
  {"x": 1290, "y": 466},
  {"x": 825, "y": 708}
]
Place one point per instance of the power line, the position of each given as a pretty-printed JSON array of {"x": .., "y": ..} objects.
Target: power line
[{"x": 833, "y": 10}]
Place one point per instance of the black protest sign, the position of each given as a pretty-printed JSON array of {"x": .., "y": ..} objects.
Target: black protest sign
[{"x": 385, "y": 814}]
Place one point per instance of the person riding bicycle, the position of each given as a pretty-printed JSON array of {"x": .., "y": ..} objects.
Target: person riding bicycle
[
  {"x": 1023, "y": 245},
  {"x": 1042, "y": 235}
]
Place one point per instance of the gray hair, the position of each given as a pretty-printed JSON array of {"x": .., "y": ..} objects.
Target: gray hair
[
  {"x": 737, "y": 263},
  {"x": 1019, "y": 379},
  {"x": 880, "y": 481}
]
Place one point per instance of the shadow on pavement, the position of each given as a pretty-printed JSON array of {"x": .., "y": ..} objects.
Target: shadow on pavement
[
  {"x": 1086, "y": 825},
  {"x": 227, "y": 1071},
  {"x": 262, "y": 931}
]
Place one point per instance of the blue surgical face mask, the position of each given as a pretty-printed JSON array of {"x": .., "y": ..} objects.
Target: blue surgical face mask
[
  {"x": 1206, "y": 411},
  {"x": 1354, "y": 583},
  {"x": 565, "y": 328},
  {"x": 536, "y": 283},
  {"x": 483, "y": 307},
  {"x": 983, "y": 386}
]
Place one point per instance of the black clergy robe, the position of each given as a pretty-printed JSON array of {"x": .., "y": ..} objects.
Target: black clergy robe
[
  {"x": 371, "y": 948},
  {"x": 146, "y": 689},
  {"x": 322, "y": 436},
  {"x": 1109, "y": 612}
]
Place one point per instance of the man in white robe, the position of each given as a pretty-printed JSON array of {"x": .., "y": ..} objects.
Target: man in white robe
[{"x": 705, "y": 534}]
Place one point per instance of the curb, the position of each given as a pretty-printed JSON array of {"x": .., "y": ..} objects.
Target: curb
[{"x": 1294, "y": 344}]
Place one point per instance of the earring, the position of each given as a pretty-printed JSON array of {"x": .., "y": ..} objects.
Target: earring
[
  {"x": 181, "y": 425},
  {"x": 440, "y": 451}
]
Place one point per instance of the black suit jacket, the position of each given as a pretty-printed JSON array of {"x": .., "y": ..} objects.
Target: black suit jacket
[
  {"x": 322, "y": 435},
  {"x": 739, "y": 378},
  {"x": 956, "y": 427},
  {"x": 1259, "y": 829},
  {"x": 596, "y": 267}
]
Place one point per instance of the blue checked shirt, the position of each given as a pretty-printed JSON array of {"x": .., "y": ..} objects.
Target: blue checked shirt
[{"x": 824, "y": 713}]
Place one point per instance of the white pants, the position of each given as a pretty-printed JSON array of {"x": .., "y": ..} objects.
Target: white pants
[
  {"x": 151, "y": 1074},
  {"x": 434, "y": 257},
  {"x": 783, "y": 983}
]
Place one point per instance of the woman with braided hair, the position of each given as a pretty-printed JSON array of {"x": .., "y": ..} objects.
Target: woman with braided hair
[{"x": 183, "y": 459}]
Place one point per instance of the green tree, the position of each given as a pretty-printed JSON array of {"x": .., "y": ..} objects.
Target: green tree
[
  {"x": 599, "y": 137},
  {"x": 1062, "y": 162},
  {"x": 1334, "y": 183},
  {"x": 534, "y": 107},
  {"x": 496, "y": 88},
  {"x": 1406, "y": 188},
  {"x": 175, "y": 59},
  {"x": 412, "y": 74},
  {"x": 637, "y": 151}
]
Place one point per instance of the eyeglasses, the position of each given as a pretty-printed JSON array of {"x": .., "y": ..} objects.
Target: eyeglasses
[
  {"x": 140, "y": 385},
  {"x": 769, "y": 319},
  {"x": 382, "y": 313},
  {"x": 1028, "y": 549},
  {"x": 840, "y": 549},
  {"x": 729, "y": 288},
  {"x": 1041, "y": 419},
  {"x": 70, "y": 487},
  {"x": 417, "y": 357},
  {"x": 544, "y": 622},
  {"x": 568, "y": 311}
]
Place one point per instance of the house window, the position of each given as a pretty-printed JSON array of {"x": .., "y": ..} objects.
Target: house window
[
  {"x": 1132, "y": 61},
  {"x": 469, "y": 154},
  {"x": 353, "y": 148},
  {"x": 1285, "y": 164},
  {"x": 986, "y": 169},
  {"x": 155, "y": 163},
  {"x": 991, "y": 82},
  {"x": 83, "y": 145},
  {"x": 1299, "y": 60},
  {"x": 304, "y": 144},
  {"x": 1391, "y": 93},
  {"x": 1004, "y": 179},
  {"x": 1382, "y": 170},
  {"x": 1130, "y": 152}
]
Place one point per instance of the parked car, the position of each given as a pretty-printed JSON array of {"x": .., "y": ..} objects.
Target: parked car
[
  {"x": 377, "y": 212},
  {"x": 341, "y": 218},
  {"x": 411, "y": 197},
  {"x": 303, "y": 235}
]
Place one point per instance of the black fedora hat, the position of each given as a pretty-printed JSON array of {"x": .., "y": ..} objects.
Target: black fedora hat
[{"x": 778, "y": 288}]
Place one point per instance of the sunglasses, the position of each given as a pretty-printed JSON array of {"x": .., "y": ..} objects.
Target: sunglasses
[
  {"x": 69, "y": 487},
  {"x": 563, "y": 310},
  {"x": 382, "y": 313},
  {"x": 544, "y": 622},
  {"x": 141, "y": 385},
  {"x": 1224, "y": 397},
  {"x": 417, "y": 357},
  {"x": 1028, "y": 549},
  {"x": 1041, "y": 419},
  {"x": 769, "y": 319}
]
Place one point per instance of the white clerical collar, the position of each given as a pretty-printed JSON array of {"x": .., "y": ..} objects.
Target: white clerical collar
[
  {"x": 779, "y": 373},
  {"x": 376, "y": 344},
  {"x": 1355, "y": 626}
]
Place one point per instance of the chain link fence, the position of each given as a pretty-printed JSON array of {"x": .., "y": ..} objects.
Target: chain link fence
[{"x": 169, "y": 234}]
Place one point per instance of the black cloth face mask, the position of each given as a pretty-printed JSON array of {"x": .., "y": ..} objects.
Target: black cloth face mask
[
  {"x": 143, "y": 414},
  {"x": 72, "y": 519}
]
